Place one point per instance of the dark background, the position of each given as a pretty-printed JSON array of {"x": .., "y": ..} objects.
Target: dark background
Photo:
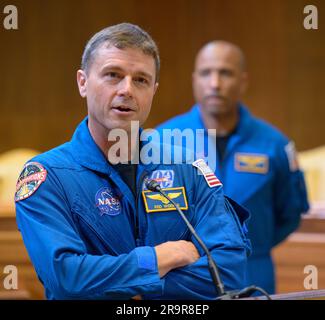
[{"x": 39, "y": 100}]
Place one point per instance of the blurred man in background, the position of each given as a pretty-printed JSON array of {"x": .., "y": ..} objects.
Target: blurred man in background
[{"x": 255, "y": 162}]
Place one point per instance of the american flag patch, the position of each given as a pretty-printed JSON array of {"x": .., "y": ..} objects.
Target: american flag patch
[
  {"x": 208, "y": 174},
  {"x": 290, "y": 149}
]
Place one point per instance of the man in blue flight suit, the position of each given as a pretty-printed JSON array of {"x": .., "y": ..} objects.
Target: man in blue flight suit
[
  {"x": 91, "y": 228},
  {"x": 255, "y": 162}
]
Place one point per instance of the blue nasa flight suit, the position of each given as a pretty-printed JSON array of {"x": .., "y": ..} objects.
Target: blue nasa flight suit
[
  {"x": 255, "y": 172},
  {"x": 89, "y": 238}
]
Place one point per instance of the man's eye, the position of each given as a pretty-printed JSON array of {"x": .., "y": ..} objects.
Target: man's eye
[
  {"x": 141, "y": 80},
  {"x": 227, "y": 73},
  {"x": 112, "y": 75},
  {"x": 204, "y": 73}
]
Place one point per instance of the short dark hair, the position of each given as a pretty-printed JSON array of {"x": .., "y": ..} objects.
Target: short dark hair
[
  {"x": 121, "y": 36},
  {"x": 214, "y": 43}
]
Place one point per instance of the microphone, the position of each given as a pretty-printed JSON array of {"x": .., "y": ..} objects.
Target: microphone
[{"x": 152, "y": 185}]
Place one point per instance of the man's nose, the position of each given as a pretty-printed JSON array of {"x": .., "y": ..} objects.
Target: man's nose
[
  {"x": 215, "y": 80},
  {"x": 125, "y": 87}
]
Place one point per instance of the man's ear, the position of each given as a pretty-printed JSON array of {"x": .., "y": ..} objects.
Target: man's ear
[
  {"x": 82, "y": 82},
  {"x": 155, "y": 88}
]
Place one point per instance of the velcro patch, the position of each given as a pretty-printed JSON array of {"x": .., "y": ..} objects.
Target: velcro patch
[
  {"x": 31, "y": 177},
  {"x": 155, "y": 202},
  {"x": 208, "y": 174},
  {"x": 250, "y": 162}
]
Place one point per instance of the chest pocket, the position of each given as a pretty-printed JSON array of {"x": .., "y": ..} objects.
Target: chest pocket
[
  {"x": 247, "y": 175},
  {"x": 103, "y": 233}
]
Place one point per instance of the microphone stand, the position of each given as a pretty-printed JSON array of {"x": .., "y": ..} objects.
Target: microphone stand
[{"x": 152, "y": 185}]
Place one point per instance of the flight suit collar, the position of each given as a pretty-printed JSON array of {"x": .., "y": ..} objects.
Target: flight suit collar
[
  {"x": 242, "y": 131},
  {"x": 86, "y": 152},
  {"x": 196, "y": 117},
  {"x": 244, "y": 117}
]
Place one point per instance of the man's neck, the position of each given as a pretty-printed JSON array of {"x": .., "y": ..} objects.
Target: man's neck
[
  {"x": 112, "y": 153},
  {"x": 224, "y": 123}
]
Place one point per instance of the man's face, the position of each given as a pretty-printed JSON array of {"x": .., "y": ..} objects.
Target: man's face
[
  {"x": 218, "y": 79},
  {"x": 119, "y": 87}
]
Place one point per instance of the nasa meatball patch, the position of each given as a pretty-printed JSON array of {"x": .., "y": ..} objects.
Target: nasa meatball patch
[
  {"x": 107, "y": 202},
  {"x": 31, "y": 177}
]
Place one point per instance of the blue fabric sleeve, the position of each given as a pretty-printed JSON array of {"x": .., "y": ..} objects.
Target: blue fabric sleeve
[
  {"x": 290, "y": 197},
  {"x": 147, "y": 258},
  {"x": 61, "y": 259},
  {"x": 215, "y": 224}
]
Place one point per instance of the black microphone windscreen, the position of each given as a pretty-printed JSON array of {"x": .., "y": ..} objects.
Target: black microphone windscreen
[{"x": 152, "y": 185}]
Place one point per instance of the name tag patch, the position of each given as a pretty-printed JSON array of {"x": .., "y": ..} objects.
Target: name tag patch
[
  {"x": 249, "y": 162},
  {"x": 155, "y": 202}
]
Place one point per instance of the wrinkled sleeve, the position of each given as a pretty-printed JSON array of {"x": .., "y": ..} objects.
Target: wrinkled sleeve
[
  {"x": 290, "y": 196},
  {"x": 219, "y": 225},
  {"x": 61, "y": 260}
]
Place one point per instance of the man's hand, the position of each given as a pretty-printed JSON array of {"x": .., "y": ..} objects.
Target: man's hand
[{"x": 175, "y": 254}]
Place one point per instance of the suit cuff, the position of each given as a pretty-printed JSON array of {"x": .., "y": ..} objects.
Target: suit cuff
[{"x": 147, "y": 258}]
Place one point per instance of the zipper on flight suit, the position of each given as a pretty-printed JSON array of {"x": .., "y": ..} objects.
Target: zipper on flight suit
[{"x": 137, "y": 225}]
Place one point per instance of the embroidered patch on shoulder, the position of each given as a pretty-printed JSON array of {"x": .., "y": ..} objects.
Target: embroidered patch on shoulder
[
  {"x": 155, "y": 202},
  {"x": 208, "y": 174},
  {"x": 290, "y": 150},
  {"x": 250, "y": 162},
  {"x": 31, "y": 177},
  {"x": 107, "y": 202}
]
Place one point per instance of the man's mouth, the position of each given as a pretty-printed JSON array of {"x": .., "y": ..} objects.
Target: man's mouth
[
  {"x": 214, "y": 97},
  {"x": 123, "y": 109}
]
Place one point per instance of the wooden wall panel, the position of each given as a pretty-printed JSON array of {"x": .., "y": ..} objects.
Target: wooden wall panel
[
  {"x": 39, "y": 101},
  {"x": 292, "y": 256},
  {"x": 13, "y": 252}
]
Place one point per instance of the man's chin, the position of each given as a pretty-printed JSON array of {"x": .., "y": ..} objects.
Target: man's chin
[
  {"x": 216, "y": 109},
  {"x": 125, "y": 125}
]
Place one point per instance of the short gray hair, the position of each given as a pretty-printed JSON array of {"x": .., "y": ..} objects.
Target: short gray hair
[{"x": 121, "y": 36}]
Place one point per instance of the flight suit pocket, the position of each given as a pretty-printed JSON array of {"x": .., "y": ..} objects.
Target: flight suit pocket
[{"x": 109, "y": 233}]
